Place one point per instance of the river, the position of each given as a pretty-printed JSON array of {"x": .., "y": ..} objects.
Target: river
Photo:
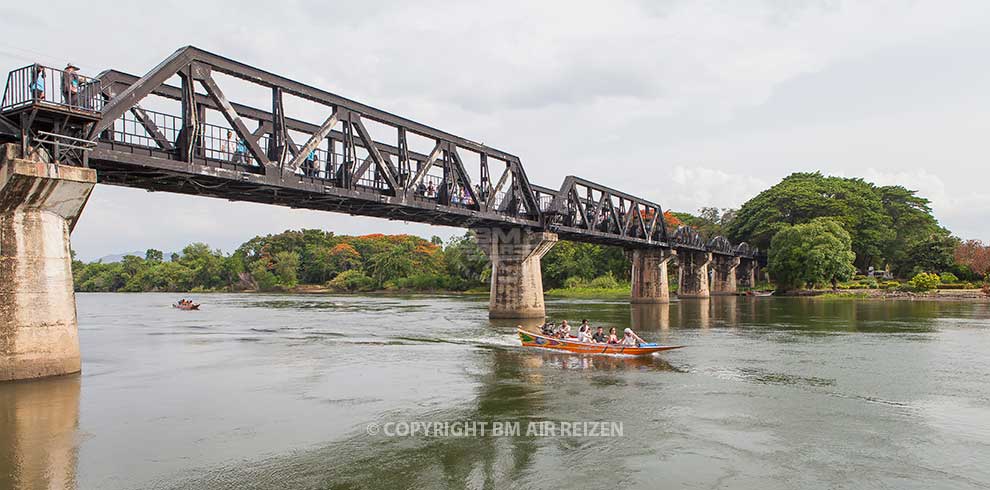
[{"x": 278, "y": 391}]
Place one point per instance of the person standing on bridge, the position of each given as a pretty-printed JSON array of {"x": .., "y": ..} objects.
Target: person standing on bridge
[
  {"x": 309, "y": 164},
  {"x": 240, "y": 152},
  {"x": 70, "y": 85},
  {"x": 227, "y": 146},
  {"x": 37, "y": 85}
]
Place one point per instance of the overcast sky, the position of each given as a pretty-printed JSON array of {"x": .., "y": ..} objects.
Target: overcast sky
[{"x": 687, "y": 103}]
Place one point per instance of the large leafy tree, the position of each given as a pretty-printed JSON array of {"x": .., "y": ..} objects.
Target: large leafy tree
[
  {"x": 883, "y": 222},
  {"x": 918, "y": 242},
  {"x": 811, "y": 254},
  {"x": 930, "y": 254}
]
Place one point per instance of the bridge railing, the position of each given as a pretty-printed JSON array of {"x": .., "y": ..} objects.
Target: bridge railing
[
  {"x": 42, "y": 85},
  {"x": 132, "y": 130}
]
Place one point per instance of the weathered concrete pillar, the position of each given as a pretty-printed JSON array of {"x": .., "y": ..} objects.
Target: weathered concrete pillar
[
  {"x": 724, "y": 276},
  {"x": 692, "y": 274},
  {"x": 39, "y": 205},
  {"x": 517, "y": 280},
  {"x": 649, "y": 275},
  {"x": 746, "y": 273}
]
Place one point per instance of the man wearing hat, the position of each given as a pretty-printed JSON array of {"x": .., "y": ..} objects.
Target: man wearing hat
[{"x": 70, "y": 85}]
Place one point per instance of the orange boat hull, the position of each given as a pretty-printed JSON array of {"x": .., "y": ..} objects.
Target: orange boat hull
[{"x": 530, "y": 339}]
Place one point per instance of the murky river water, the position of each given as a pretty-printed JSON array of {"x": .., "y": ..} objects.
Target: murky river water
[{"x": 278, "y": 391}]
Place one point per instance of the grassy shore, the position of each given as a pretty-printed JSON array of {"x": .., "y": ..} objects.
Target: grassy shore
[{"x": 621, "y": 292}]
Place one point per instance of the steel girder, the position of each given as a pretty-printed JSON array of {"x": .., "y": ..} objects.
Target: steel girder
[{"x": 594, "y": 208}]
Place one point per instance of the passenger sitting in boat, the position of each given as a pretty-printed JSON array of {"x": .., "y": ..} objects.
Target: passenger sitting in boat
[
  {"x": 584, "y": 333},
  {"x": 599, "y": 336},
  {"x": 585, "y": 325},
  {"x": 564, "y": 331},
  {"x": 612, "y": 338},
  {"x": 631, "y": 338}
]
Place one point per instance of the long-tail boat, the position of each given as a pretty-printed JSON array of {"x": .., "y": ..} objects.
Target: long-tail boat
[{"x": 530, "y": 339}]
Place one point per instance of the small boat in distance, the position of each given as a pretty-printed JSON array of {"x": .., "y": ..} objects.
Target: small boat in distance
[
  {"x": 186, "y": 306},
  {"x": 530, "y": 339}
]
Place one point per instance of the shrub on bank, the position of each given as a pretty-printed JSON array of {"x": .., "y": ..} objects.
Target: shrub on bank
[
  {"x": 925, "y": 281},
  {"x": 948, "y": 278},
  {"x": 352, "y": 280},
  {"x": 428, "y": 282},
  {"x": 608, "y": 281},
  {"x": 575, "y": 282},
  {"x": 961, "y": 285}
]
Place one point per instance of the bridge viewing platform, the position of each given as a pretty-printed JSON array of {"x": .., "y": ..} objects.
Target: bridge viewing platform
[{"x": 179, "y": 128}]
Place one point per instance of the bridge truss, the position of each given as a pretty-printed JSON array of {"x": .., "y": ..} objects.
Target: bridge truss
[{"x": 354, "y": 159}]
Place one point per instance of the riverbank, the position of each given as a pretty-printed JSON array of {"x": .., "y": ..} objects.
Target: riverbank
[{"x": 966, "y": 295}]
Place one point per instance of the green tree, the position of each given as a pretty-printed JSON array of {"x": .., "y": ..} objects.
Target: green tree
[
  {"x": 464, "y": 259},
  {"x": 264, "y": 278},
  {"x": 932, "y": 253},
  {"x": 812, "y": 253},
  {"x": 152, "y": 255},
  {"x": 802, "y": 197},
  {"x": 394, "y": 262},
  {"x": 206, "y": 264},
  {"x": 286, "y": 268}
]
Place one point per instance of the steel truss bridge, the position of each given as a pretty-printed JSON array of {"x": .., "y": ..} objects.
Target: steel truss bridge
[{"x": 353, "y": 159}]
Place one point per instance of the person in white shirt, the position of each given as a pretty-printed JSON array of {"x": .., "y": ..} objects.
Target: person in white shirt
[
  {"x": 630, "y": 338},
  {"x": 584, "y": 334}
]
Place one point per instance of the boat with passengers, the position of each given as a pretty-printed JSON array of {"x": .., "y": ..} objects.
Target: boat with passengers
[{"x": 573, "y": 345}]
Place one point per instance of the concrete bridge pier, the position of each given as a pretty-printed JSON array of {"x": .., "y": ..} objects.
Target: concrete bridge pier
[
  {"x": 746, "y": 273},
  {"x": 692, "y": 268},
  {"x": 517, "y": 280},
  {"x": 39, "y": 205},
  {"x": 724, "y": 274},
  {"x": 649, "y": 275}
]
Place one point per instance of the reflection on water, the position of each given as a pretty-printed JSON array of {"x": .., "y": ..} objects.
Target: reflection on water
[
  {"x": 276, "y": 392},
  {"x": 38, "y": 422}
]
